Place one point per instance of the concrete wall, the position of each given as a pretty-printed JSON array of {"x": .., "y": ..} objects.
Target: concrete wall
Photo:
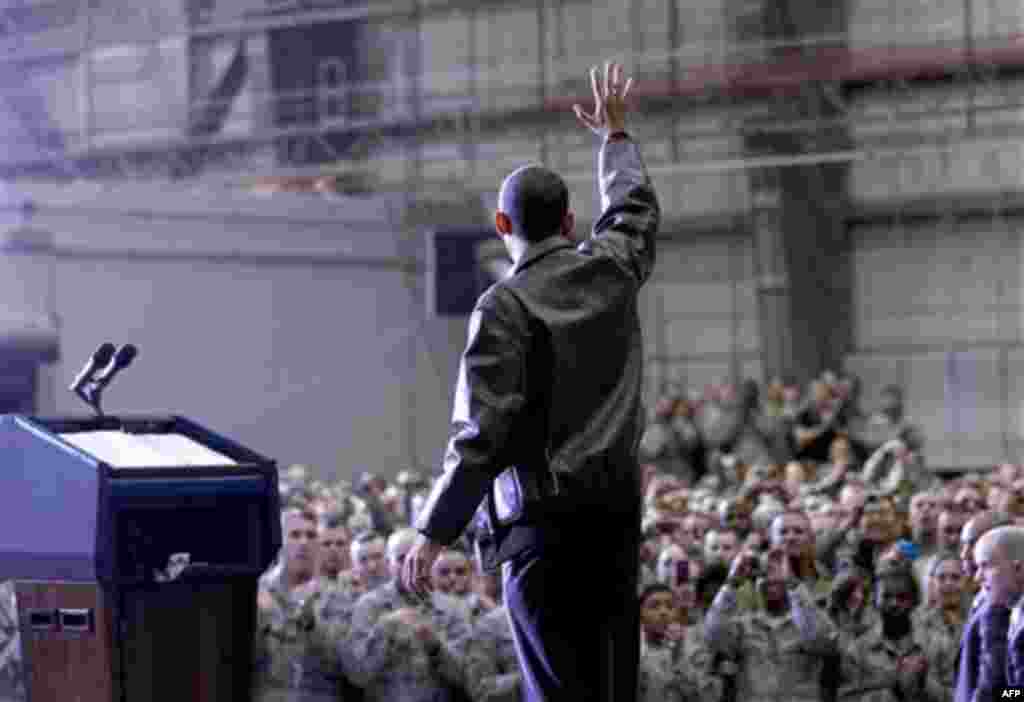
[
  {"x": 290, "y": 325},
  {"x": 938, "y": 310},
  {"x": 700, "y": 313}
]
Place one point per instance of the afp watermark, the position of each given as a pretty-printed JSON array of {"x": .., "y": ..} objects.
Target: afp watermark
[{"x": 1011, "y": 693}]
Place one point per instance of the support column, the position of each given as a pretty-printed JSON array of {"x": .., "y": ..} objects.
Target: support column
[{"x": 797, "y": 212}]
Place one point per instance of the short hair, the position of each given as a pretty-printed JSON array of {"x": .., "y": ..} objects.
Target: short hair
[
  {"x": 305, "y": 513},
  {"x": 362, "y": 538},
  {"x": 987, "y": 520},
  {"x": 335, "y": 520},
  {"x": 897, "y": 572},
  {"x": 652, "y": 589},
  {"x": 1008, "y": 538},
  {"x": 788, "y": 512},
  {"x": 536, "y": 199},
  {"x": 453, "y": 551}
]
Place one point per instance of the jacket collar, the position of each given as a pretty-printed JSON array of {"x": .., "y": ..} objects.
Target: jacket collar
[{"x": 538, "y": 250}]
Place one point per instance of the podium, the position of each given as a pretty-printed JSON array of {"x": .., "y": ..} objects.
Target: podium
[{"x": 135, "y": 545}]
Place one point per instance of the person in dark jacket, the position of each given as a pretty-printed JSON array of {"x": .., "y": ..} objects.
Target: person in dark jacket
[
  {"x": 982, "y": 666},
  {"x": 548, "y": 417}
]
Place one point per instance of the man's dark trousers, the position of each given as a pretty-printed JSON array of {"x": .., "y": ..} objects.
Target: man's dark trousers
[{"x": 572, "y": 601}]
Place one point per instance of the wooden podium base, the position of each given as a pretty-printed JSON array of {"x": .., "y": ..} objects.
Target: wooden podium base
[{"x": 166, "y": 642}]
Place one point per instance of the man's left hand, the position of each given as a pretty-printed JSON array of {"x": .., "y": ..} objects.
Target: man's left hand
[{"x": 418, "y": 562}]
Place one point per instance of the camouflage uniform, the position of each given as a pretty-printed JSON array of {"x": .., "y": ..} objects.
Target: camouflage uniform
[
  {"x": 492, "y": 669},
  {"x": 940, "y": 641},
  {"x": 663, "y": 675},
  {"x": 334, "y": 610},
  {"x": 12, "y": 679},
  {"x": 869, "y": 670},
  {"x": 294, "y": 660},
  {"x": 475, "y": 607},
  {"x": 383, "y": 656},
  {"x": 350, "y": 584},
  {"x": 781, "y": 657}
]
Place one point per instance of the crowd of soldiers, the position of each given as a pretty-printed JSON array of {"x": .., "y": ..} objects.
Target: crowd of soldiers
[{"x": 794, "y": 548}]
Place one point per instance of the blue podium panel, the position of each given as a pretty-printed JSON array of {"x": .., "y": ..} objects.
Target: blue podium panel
[
  {"x": 111, "y": 499},
  {"x": 50, "y": 495}
]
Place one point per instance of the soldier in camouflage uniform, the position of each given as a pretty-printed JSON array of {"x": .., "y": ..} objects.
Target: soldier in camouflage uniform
[
  {"x": 781, "y": 648},
  {"x": 887, "y": 664},
  {"x": 938, "y": 624},
  {"x": 12, "y": 678},
  {"x": 369, "y": 564},
  {"x": 403, "y": 648},
  {"x": 452, "y": 574},
  {"x": 369, "y": 570},
  {"x": 791, "y": 535},
  {"x": 665, "y": 671},
  {"x": 489, "y": 659},
  {"x": 294, "y": 661},
  {"x": 335, "y": 547}
]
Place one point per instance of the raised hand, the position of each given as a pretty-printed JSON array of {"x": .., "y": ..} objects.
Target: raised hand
[{"x": 609, "y": 101}]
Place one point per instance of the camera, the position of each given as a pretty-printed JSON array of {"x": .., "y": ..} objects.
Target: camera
[{"x": 682, "y": 571}]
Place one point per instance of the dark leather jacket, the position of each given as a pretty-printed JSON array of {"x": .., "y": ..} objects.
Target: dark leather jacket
[{"x": 547, "y": 413}]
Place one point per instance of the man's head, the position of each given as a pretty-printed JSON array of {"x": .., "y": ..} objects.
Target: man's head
[
  {"x": 721, "y": 545},
  {"x": 975, "y": 528},
  {"x": 878, "y": 521},
  {"x": 695, "y": 527},
  {"x": 533, "y": 204},
  {"x": 1001, "y": 499},
  {"x": 335, "y": 540},
  {"x": 368, "y": 561},
  {"x": 821, "y": 392},
  {"x": 999, "y": 555},
  {"x": 896, "y": 593},
  {"x": 924, "y": 515},
  {"x": 791, "y": 532},
  {"x": 969, "y": 500},
  {"x": 949, "y": 525},
  {"x": 945, "y": 582},
  {"x": 452, "y": 573},
  {"x": 796, "y": 473},
  {"x": 399, "y": 544},
  {"x": 657, "y": 609},
  {"x": 1008, "y": 473},
  {"x": 840, "y": 451},
  {"x": 300, "y": 550}
]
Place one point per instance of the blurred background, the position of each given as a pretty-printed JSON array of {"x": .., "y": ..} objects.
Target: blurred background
[{"x": 286, "y": 204}]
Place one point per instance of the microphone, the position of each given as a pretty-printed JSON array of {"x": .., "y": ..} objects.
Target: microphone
[
  {"x": 122, "y": 359},
  {"x": 100, "y": 358}
]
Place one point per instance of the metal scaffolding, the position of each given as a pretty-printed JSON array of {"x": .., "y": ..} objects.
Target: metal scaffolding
[{"x": 888, "y": 97}]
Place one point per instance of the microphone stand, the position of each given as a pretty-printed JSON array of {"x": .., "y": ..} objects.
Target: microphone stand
[{"x": 92, "y": 394}]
